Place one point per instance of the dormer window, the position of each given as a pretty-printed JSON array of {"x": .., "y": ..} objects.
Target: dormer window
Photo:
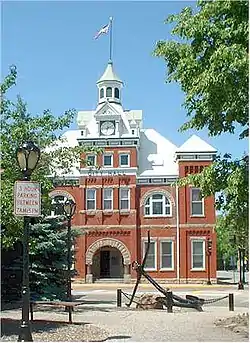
[
  {"x": 101, "y": 93},
  {"x": 117, "y": 95},
  {"x": 109, "y": 92}
]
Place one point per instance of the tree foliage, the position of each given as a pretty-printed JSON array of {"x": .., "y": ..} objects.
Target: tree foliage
[
  {"x": 45, "y": 130},
  {"x": 209, "y": 59},
  {"x": 210, "y": 62}
]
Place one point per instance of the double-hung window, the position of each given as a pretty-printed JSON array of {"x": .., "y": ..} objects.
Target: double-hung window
[
  {"x": 91, "y": 199},
  {"x": 151, "y": 258},
  {"x": 167, "y": 255},
  {"x": 157, "y": 205},
  {"x": 124, "y": 199},
  {"x": 107, "y": 198},
  {"x": 91, "y": 160},
  {"x": 108, "y": 160},
  {"x": 124, "y": 160},
  {"x": 197, "y": 202},
  {"x": 198, "y": 254}
]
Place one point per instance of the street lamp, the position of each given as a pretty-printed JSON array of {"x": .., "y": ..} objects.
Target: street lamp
[
  {"x": 209, "y": 252},
  {"x": 27, "y": 156},
  {"x": 242, "y": 276},
  {"x": 69, "y": 210}
]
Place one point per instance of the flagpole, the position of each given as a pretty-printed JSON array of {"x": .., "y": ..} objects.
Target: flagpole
[{"x": 110, "y": 39}]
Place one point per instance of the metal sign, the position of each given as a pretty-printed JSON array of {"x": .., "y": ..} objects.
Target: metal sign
[{"x": 27, "y": 199}]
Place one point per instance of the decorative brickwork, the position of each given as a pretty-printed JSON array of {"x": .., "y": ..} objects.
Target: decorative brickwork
[{"x": 111, "y": 243}]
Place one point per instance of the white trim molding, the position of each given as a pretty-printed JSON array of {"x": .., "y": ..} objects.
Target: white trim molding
[
  {"x": 203, "y": 241},
  {"x": 144, "y": 240},
  {"x": 167, "y": 240}
]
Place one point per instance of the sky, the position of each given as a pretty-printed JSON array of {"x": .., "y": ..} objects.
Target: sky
[{"x": 59, "y": 61}]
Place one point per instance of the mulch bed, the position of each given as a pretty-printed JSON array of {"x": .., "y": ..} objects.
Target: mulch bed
[{"x": 54, "y": 331}]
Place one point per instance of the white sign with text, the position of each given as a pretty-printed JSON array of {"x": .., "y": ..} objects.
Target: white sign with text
[{"x": 27, "y": 199}]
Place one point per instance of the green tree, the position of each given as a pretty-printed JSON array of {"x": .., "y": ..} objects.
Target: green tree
[
  {"x": 45, "y": 130},
  {"x": 209, "y": 59}
]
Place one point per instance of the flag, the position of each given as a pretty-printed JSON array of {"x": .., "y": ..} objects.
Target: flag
[{"x": 103, "y": 30}]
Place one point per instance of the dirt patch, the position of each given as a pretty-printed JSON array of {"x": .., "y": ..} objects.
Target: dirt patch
[{"x": 238, "y": 323}]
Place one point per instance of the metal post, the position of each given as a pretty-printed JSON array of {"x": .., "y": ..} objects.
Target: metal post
[
  {"x": 240, "y": 284},
  {"x": 208, "y": 269},
  {"x": 243, "y": 266},
  {"x": 169, "y": 297},
  {"x": 119, "y": 297},
  {"x": 25, "y": 331},
  {"x": 69, "y": 296},
  {"x": 231, "y": 302}
]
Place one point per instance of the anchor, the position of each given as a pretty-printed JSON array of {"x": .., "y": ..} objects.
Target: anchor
[{"x": 191, "y": 301}]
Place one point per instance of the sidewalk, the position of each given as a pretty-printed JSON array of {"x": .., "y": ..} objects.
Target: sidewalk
[{"x": 79, "y": 286}]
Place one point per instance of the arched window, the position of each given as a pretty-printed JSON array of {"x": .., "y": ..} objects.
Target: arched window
[
  {"x": 109, "y": 92},
  {"x": 57, "y": 205},
  {"x": 117, "y": 93},
  {"x": 157, "y": 205},
  {"x": 101, "y": 93}
]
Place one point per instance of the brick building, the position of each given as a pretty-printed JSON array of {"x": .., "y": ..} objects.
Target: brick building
[{"x": 132, "y": 192}]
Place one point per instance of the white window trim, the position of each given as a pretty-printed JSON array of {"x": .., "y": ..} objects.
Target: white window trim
[
  {"x": 92, "y": 209},
  {"x": 112, "y": 160},
  {"x": 151, "y": 207},
  {"x": 202, "y": 202},
  {"x": 94, "y": 159},
  {"x": 172, "y": 260},
  {"x": 144, "y": 240},
  {"x": 203, "y": 240},
  {"x": 112, "y": 199},
  {"x": 127, "y": 165},
  {"x": 124, "y": 209}
]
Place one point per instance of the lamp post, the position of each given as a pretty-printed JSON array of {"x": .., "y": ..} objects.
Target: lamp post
[
  {"x": 209, "y": 252},
  {"x": 27, "y": 156},
  {"x": 241, "y": 257},
  {"x": 69, "y": 208}
]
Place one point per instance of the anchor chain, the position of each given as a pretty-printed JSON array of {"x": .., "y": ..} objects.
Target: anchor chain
[{"x": 205, "y": 301}]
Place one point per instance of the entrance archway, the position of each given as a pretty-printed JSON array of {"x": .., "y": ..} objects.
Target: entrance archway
[
  {"x": 108, "y": 258},
  {"x": 107, "y": 263}
]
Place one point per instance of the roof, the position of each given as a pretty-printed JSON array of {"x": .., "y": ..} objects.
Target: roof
[
  {"x": 196, "y": 144},
  {"x": 109, "y": 74},
  {"x": 157, "y": 155}
]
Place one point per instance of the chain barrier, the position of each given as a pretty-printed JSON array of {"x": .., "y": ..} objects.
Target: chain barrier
[
  {"x": 204, "y": 301},
  {"x": 211, "y": 301}
]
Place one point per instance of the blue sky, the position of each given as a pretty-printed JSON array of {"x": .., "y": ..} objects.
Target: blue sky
[{"x": 59, "y": 62}]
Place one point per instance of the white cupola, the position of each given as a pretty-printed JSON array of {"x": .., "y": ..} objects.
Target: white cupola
[{"x": 109, "y": 86}]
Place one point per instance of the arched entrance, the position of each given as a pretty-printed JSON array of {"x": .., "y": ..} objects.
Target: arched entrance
[
  {"x": 108, "y": 258},
  {"x": 107, "y": 263}
]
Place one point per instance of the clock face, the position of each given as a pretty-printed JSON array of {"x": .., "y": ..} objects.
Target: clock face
[{"x": 107, "y": 128}]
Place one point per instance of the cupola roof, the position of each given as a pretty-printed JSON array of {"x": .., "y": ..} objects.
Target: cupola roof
[{"x": 109, "y": 74}]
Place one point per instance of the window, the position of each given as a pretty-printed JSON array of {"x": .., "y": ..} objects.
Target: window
[
  {"x": 198, "y": 254},
  {"x": 116, "y": 93},
  {"x": 157, "y": 205},
  {"x": 124, "y": 199},
  {"x": 91, "y": 160},
  {"x": 151, "y": 258},
  {"x": 57, "y": 205},
  {"x": 108, "y": 160},
  {"x": 91, "y": 199},
  {"x": 107, "y": 198},
  {"x": 101, "y": 93},
  {"x": 167, "y": 256},
  {"x": 133, "y": 132},
  {"x": 109, "y": 92},
  {"x": 197, "y": 202},
  {"x": 124, "y": 160}
]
